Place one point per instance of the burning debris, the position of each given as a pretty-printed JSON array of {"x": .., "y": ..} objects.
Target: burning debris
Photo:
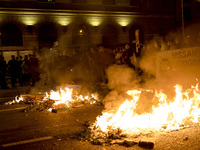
[
  {"x": 60, "y": 98},
  {"x": 126, "y": 125}
]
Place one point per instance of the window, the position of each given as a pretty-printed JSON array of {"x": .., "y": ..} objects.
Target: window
[
  {"x": 47, "y": 35},
  {"x": 187, "y": 14},
  {"x": 11, "y": 35},
  {"x": 80, "y": 36},
  {"x": 164, "y": 3},
  {"x": 110, "y": 36},
  {"x": 79, "y": 1},
  {"x": 186, "y": 1},
  {"x": 46, "y": 0},
  {"x": 134, "y": 2},
  {"x": 109, "y": 2}
]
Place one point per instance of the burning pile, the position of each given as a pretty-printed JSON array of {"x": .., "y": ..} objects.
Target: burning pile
[
  {"x": 166, "y": 115},
  {"x": 65, "y": 97}
]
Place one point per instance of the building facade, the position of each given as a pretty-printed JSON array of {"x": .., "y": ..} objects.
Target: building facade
[{"x": 29, "y": 26}]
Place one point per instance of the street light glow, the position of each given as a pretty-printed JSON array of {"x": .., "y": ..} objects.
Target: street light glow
[
  {"x": 29, "y": 20},
  {"x": 95, "y": 21},
  {"x": 123, "y": 21},
  {"x": 63, "y": 20}
]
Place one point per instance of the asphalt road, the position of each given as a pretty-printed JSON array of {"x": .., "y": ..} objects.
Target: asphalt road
[
  {"x": 45, "y": 130},
  {"x": 36, "y": 130},
  {"x": 10, "y": 94}
]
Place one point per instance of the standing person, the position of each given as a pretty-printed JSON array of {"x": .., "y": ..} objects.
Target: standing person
[
  {"x": 104, "y": 61},
  {"x": 25, "y": 71},
  {"x": 118, "y": 55},
  {"x": 3, "y": 71},
  {"x": 33, "y": 69},
  {"x": 19, "y": 69},
  {"x": 126, "y": 54},
  {"x": 138, "y": 44},
  {"x": 137, "y": 51},
  {"x": 12, "y": 68}
]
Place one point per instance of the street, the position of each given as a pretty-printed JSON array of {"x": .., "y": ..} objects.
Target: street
[
  {"x": 34, "y": 130},
  {"x": 40, "y": 130}
]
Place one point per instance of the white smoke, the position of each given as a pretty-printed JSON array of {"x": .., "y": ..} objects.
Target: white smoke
[{"x": 122, "y": 78}]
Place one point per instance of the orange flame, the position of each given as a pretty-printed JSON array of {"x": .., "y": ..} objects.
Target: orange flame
[
  {"x": 172, "y": 115},
  {"x": 64, "y": 96},
  {"x": 67, "y": 97}
]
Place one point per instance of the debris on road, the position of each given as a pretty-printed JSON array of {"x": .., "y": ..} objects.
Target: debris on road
[
  {"x": 54, "y": 100},
  {"x": 146, "y": 144}
]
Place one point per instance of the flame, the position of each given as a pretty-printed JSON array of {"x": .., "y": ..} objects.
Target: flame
[
  {"x": 167, "y": 115},
  {"x": 66, "y": 96},
  {"x": 63, "y": 96}
]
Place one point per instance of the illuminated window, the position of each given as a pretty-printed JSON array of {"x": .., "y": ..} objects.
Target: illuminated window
[{"x": 109, "y": 2}]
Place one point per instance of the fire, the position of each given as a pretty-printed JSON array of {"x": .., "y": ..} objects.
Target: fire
[
  {"x": 65, "y": 97},
  {"x": 62, "y": 96},
  {"x": 166, "y": 115}
]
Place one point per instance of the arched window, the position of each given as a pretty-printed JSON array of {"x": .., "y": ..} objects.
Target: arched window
[
  {"x": 47, "y": 35},
  {"x": 11, "y": 35},
  {"x": 110, "y": 36}
]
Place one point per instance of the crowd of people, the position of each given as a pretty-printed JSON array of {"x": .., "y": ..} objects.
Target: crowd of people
[
  {"x": 98, "y": 59},
  {"x": 21, "y": 71},
  {"x": 94, "y": 62}
]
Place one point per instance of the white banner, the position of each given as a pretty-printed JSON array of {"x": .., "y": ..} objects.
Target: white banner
[{"x": 172, "y": 62}]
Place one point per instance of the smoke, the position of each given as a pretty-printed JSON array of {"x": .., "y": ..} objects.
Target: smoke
[
  {"x": 173, "y": 59},
  {"x": 120, "y": 79},
  {"x": 165, "y": 62},
  {"x": 60, "y": 70}
]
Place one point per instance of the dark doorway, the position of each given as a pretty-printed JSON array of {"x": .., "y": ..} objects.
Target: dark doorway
[
  {"x": 47, "y": 35},
  {"x": 11, "y": 35},
  {"x": 110, "y": 37}
]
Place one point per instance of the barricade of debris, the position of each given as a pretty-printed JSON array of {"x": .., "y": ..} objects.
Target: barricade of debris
[
  {"x": 35, "y": 102},
  {"x": 114, "y": 136},
  {"x": 27, "y": 99},
  {"x": 144, "y": 139},
  {"x": 54, "y": 100}
]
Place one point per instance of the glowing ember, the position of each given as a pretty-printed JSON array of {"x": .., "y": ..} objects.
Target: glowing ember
[{"x": 167, "y": 115}]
